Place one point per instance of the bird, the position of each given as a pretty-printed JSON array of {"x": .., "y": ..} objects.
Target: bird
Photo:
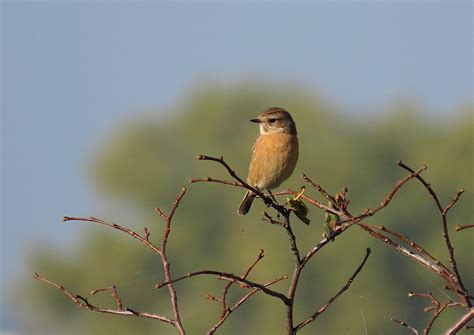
[{"x": 274, "y": 153}]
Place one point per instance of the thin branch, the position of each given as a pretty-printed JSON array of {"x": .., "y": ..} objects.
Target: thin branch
[
  {"x": 436, "y": 307},
  {"x": 406, "y": 325},
  {"x": 405, "y": 239},
  {"x": 164, "y": 259},
  {"x": 84, "y": 303},
  {"x": 453, "y": 202},
  {"x": 118, "y": 227},
  {"x": 437, "y": 313},
  {"x": 114, "y": 294},
  {"x": 228, "y": 310},
  {"x": 461, "y": 322},
  {"x": 431, "y": 265},
  {"x": 443, "y": 212},
  {"x": 227, "y": 276},
  {"x": 244, "y": 276},
  {"x": 321, "y": 190},
  {"x": 341, "y": 291},
  {"x": 292, "y": 237},
  {"x": 458, "y": 227},
  {"x": 213, "y": 180},
  {"x": 388, "y": 198},
  {"x": 268, "y": 200}
]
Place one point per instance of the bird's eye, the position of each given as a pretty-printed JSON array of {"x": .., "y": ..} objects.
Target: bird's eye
[{"x": 272, "y": 120}]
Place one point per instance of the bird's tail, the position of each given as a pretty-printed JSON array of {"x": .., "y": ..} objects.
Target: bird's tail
[{"x": 246, "y": 203}]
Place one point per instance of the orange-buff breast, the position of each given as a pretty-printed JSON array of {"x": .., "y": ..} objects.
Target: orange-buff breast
[{"x": 273, "y": 160}]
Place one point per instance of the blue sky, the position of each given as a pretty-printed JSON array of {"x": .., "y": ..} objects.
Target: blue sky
[{"x": 72, "y": 71}]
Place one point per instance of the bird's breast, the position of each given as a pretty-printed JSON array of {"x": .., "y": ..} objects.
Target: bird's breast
[{"x": 274, "y": 159}]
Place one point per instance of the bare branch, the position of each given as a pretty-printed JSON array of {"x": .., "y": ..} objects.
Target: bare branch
[
  {"x": 443, "y": 212},
  {"x": 227, "y": 276},
  {"x": 453, "y": 202},
  {"x": 404, "y": 324},
  {"x": 115, "y": 295},
  {"x": 244, "y": 276},
  {"x": 228, "y": 310},
  {"x": 458, "y": 227},
  {"x": 118, "y": 227},
  {"x": 268, "y": 200},
  {"x": 166, "y": 264},
  {"x": 213, "y": 180},
  {"x": 341, "y": 291},
  {"x": 461, "y": 322},
  {"x": 405, "y": 239},
  {"x": 320, "y": 190},
  {"x": 84, "y": 303},
  {"x": 436, "y": 307}
]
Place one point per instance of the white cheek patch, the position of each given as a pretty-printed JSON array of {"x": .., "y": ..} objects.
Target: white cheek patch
[{"x": 263, "y": 129}]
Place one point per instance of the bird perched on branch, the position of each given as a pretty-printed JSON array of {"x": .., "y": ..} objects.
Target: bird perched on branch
[{"x": 274, "y": 153}]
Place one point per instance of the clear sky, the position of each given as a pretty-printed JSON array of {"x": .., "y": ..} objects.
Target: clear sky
[{"x": 71, "y": 71}]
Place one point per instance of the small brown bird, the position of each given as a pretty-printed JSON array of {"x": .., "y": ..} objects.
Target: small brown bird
[{"x": 274, "y": 153}]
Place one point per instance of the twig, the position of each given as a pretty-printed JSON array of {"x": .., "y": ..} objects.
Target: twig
[
  {"x": 228, "y": 310},
  {"x": 164, "y": 259},
  {"x": 227, "y": 276},
  {"x": 436, "y": 307},
  {"x": 404, "y": 324},
  {"x": 459, "y": 227},
  {"x": 84, "y": 303},
  {"x": 405, "y": 239},
  {"x": 443, "y": 212},
  {"x": 341, "y": 291},
  {"x": 320, "y": 190},
  {"x": 115, "y": 295},
  {"x": 118, "y": 227},
  {"x": 244, "y": 276},
  {"x": 268, "y": 200},
  {"x": 461, "y": 322},
  {"x": 387, "y": 199},
  {"x": 213, "y": 180}
]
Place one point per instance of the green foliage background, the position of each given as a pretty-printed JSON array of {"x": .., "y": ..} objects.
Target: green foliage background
[{"x": 144, "y": 163}]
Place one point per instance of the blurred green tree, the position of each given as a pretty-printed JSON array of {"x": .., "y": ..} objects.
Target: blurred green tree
[{"x": 145, "y": 162}]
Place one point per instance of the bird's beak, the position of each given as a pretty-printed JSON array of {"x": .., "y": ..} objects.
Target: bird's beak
[{"x": 256, "y": 120}]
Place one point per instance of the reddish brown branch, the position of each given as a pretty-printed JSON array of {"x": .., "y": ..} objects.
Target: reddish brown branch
[
  {"x": 143, "y": 239},
  {"x": 114, "y": 294},
  {"x": 226, "y": 276},
  {"x": 453, "y": 202},
  {"x": 321, "y": 190},
  {"x": 268, "y": 200},
  {"x": 213, "y": 180},
  {"x": 341, "y": 291},
  {"x": 443, "y": 212},
  {"x": 229, "y": 310},
  {"x": 461, "y": 322},
  {"x": 84, "y": 303},
  {"x": 458, "y": 227},
  {"x": 431, "y": 265},
  {"x": 405, "y": 239},
  {"x": 387, "y": 199},
  {"x": 166, "y": 264},
  {"x": 436, "y": 307},
  {"x": 406, "y": 325},
  {"x": 244, "y": 276}
]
